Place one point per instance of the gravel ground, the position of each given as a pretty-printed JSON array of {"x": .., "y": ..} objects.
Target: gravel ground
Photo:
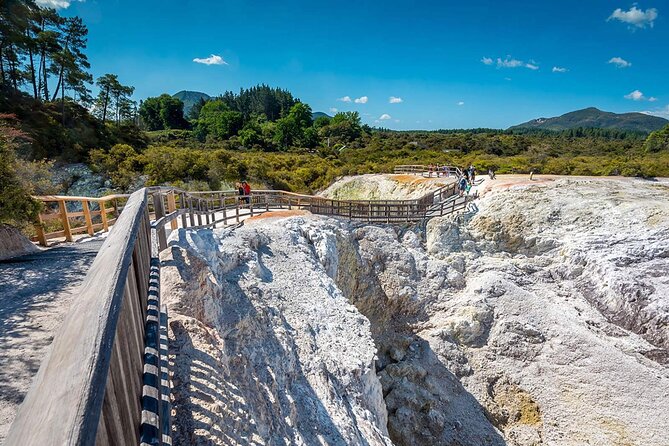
[{"x": 35, "y": 293}]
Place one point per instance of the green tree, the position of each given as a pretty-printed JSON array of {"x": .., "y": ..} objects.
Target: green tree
[
  {"x": 658, "y": 140},
  {"x": 344, "y": 127},
  {"x": 114, "y": 97},
  {"x": 163, "y": 112},
  {"x": 218, "y": 121},
  {"x": 290, "y": 129}
]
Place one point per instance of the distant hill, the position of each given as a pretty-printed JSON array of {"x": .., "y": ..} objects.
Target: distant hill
[
  {"x": 316, "y": 115},
  {"x": 595, "y": 118},
  {"x": 190, "y": 98}
]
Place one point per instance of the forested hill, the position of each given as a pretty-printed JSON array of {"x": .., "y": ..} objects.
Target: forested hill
[
  {"x": 190, "y": 98},
  {"x": 595, "y": 118}
]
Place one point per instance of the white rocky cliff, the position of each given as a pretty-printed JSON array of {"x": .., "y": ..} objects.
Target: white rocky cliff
[{"x": 541, "y": 319}]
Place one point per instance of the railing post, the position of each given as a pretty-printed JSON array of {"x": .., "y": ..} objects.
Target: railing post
[
  {"x": 191, "y": 211},
  {"x": 199, "y": 212},
  {"x": 159, "y": 210},
  {"x": 237, "y": 199},
  {"x": 39, "y": 229},
  {"x": 64, "y": 219},
  {"x": 87, "y": 217},
  {"x": 182, "y": 205},
  {"x": 171, "y": 207},
  {"x": 103, "y": 216}
]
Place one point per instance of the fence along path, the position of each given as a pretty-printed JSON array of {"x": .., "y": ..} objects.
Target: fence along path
[{"x": 105, "y": 379}]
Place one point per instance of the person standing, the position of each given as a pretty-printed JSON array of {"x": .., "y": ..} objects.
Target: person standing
[
  {"x": 491, "y": 173},
  {"x": 462, "y": 185},
  {"x": 247, "y": 191}
]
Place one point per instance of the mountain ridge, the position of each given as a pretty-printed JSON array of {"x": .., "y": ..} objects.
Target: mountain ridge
[
  {"x": 592, "y": 117},
  {"x": 190, "y": 98}
]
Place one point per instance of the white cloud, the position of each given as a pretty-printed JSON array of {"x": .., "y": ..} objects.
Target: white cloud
[
  {"x": 361, "y": 100},
  {"x": 395, "y": 100},
  {"x": 661, "y": 112},
  {"x": 461, "y": 103},
  {"x": 345, "y": 99},
  {"x": 620, "y": 62},
  {"x": 507, "y": 78},
  {"x": 560, "y": 70},
  {"x": 637, "y": 95},
  {"x": 385, "y": 117},
  {"x": 635, "y": 16},
  {"x": 333, "y": 110},
  {"x": 56, "y": 4},
  {"x": 510, "y": 62},
  {"x": 211, "y": 60},
  {"x": 397, "y": 120}
]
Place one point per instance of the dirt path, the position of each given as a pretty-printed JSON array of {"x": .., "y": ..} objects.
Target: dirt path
[{"x": 35, "y": 294}]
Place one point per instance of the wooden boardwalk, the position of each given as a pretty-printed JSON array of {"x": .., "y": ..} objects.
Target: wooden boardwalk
[{"x": 105, "y": 379}]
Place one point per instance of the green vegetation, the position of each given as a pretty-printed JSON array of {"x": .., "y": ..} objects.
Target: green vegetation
[
  {"x": 658, "y": 141},
  {"x": 16, "y": 204}
]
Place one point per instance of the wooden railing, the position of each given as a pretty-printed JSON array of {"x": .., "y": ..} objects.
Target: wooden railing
[
  {"x": 96, "y": 214},
  {"x": 427, "y": 171},
  {"x": 105, "y": 379},
  {"x": 87, "y": 390}
]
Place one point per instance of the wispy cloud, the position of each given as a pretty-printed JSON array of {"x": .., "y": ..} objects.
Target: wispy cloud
[
  {"x": 461, "y": 103},
  {"x": 620, "y": 62},
  {"x": 637, "y": 95},
  {"x": 56, "y": 4},
  {"x": 560, "y": 70},
  {"x": 361, "y": 100},
  {"x": 211, "y": 60},
  {"x": 635, "y": 16},
  {"x": 510, "y": 62},
  {"x": 333, "y": 110},
  {"x": 385, "y": 117},
  {"x": 395, "y": 100},
  {"x": 345, "y": 99},
  {"x": 661, "y": 112}
]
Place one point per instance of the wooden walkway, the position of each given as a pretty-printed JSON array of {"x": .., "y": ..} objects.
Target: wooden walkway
[{"x": 105, "y": 379}]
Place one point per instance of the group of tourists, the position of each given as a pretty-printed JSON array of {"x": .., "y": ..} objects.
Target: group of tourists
[
  {"x": 244, "y": 190},
  {"x": 469, "y": 177}
]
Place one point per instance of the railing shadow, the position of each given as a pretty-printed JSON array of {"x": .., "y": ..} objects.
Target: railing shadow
[{"x": 257, "y": 378}]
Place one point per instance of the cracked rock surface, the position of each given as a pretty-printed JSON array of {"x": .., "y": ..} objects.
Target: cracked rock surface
[{"x": 541, "y": 319}]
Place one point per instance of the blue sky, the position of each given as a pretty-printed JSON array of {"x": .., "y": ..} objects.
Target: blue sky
[{"x": 453, "y": 64}]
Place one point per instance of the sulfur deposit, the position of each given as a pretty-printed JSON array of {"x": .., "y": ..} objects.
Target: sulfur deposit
[
  {"x": 384, "y": 187},
  {"x": 540, "y": 318}
]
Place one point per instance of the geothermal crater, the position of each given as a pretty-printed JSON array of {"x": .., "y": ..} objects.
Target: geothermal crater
[{"x": 541, "y": 319}]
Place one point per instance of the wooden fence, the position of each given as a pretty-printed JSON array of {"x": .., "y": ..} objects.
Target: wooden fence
[
  {"x": 96, "y": 214},
  {"x": 211, "y": 208},
  {"x": 104, "y": 380},
  {"x": 427, "y": 171}
]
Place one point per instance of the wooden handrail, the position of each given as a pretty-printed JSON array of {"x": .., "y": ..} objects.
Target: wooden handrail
[{"x": 91, "y": 378}]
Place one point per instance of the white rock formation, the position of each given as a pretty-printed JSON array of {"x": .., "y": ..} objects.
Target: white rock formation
[
  {"x": 13, "y": 243},
  {"x": 266, "y": 348},
  {"x": 539, "y": 320},
  {"x": 383, "y": 187}
]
